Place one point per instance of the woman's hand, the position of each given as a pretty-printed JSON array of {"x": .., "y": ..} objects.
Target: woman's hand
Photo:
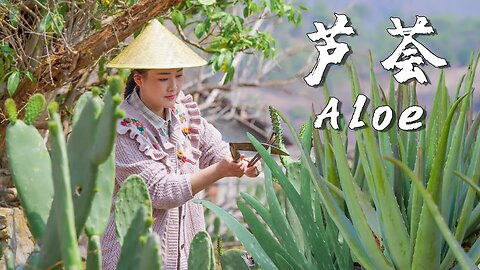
[
  {"x": 228, "y": 168},
  {"x": 254, "y": 171}
]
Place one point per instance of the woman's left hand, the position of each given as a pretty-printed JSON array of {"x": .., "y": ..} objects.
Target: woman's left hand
[{"x": 254, "y": 171}]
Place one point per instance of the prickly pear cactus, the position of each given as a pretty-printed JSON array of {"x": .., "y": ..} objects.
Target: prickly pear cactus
[
  {"x": 95, "y": 124},
  {"x": 232, "y": 260},
  {"x": 201, "y": 254},
  {"x": 30, "y": 165},
  {"x": 140, "y": 245},
  {"x": 11, "y": 109},
  {"x": 98, "y": 218},
  {"x": 69, "y": 190},
  {"x": 130, "y": 197},
  {"x": 63, "y": 210},
  {"x": 34, "y": 107},
  {"x": 151, "y": 257},
  {"x": 135, "y": 239}
]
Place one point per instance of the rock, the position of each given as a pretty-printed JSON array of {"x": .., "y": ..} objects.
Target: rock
[
  {"x": 13, "y": 226},
  {"x": 5, "y": 181},
  {"x": 10, "y": 195}
]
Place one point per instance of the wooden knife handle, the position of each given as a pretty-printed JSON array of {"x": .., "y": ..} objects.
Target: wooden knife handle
[{"x": 235, "y": 153}]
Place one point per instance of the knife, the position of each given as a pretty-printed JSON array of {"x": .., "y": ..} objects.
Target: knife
[{"x": 246, "y": 146}]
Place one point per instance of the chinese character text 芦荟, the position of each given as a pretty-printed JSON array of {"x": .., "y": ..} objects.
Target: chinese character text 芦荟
[
  {"x": 410, "y": 54},
  {"x": 329, "y": 50},
  {"x": 406, "y": 58}
]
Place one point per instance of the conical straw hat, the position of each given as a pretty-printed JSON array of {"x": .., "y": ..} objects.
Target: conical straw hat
[{"x": 156, "y": 47}]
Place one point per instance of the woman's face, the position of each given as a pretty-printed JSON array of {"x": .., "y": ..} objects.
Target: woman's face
[{"x": 159, "y": 88}]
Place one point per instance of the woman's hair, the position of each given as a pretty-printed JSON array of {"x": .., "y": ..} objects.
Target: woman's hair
[{"x": 131, "y": 82}]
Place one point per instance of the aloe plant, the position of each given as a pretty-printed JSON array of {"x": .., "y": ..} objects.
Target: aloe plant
[
  {"x": 296, "y": 236},
  {"x": 407, "y": 200}
]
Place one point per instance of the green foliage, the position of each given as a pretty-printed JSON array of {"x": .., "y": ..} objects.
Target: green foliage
[
  {"x": 40, "y": 26},
  {"x": 9, "y": 71},
  {"x": 231, "y": 34},
  {"x": 13, "y": 81}
]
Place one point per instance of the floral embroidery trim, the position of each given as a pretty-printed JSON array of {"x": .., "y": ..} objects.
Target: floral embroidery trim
[
  {"x": 136, "y": 129},
  {"x": 190, "y": 125},
  {"x": 128, "y": 121},
  {"x": 186, "y": 130},
  {"x": 181, "y": 114},
  {"x": 181, "y": 156}
]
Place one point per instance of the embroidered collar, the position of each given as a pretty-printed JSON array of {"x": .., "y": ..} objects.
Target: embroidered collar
[
  {"x": 158, "y": 122},
  {"x": 185, "y": 118}
]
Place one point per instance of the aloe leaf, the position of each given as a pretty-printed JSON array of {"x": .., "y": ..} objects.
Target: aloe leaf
[
  {"x": 415, "y": 200},
  {"x": 473, "y": 173},
  {"x": 304, "y": 176},
  {"x": 393, "y": 226},
  {"x": 283, "y": 263},
  {"x": 463, "y": 259},
  {"x": 261, "y": 210},
  {"x": 280, "y": 225},
  {"x": 474, "y": 219},
  {"x": 266, "y": 240},
  {"x": 247, "y": 239},
  {"x": 317, "y": 245},
  {"x": 468, "y": 181},
  {"x": 427, "y": 247},
  {"x": 358, "y": 218},
  {"x": 333, "y": 208}
]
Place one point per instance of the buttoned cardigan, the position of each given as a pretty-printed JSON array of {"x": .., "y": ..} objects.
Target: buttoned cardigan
[{"x": 164, "y": 163}]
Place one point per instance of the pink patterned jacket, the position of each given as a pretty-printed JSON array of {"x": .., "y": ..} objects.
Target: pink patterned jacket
[{"x": 164, "y": 163}]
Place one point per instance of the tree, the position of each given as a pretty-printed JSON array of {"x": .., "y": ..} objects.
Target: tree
[{"x": 47, "y": 45}]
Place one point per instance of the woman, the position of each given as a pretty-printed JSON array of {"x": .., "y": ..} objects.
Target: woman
[{"x": 164, "y": 139}]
